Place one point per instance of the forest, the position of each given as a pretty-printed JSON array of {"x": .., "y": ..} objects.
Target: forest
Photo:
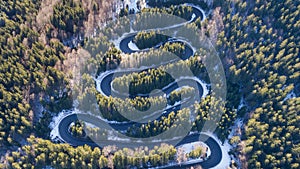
[
  {"x": 181, "y": 11},
  {"x": 257, "y": 41},
  {"x": 143, "y": 82},
  {"x": 260, "y": 45},
  {"x": 28, "y": 72},
  {"x": 167, "y": 3},
  {"x": 37, "y": 154},
  {"x": 156, "y": 17},
  {"x": 145, "y": 40}
]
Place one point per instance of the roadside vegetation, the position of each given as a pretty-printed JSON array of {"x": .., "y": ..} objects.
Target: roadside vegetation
[{"x": 256, "y": 40}]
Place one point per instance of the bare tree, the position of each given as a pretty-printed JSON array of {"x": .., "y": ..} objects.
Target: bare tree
[
  {"x": 196, "y": 167},
  {"x": 108, "y": 150},
  {"x": 110, "y": 162},
  {"x": 181, "y": 156},
  {"x": 215, "y": 25}
]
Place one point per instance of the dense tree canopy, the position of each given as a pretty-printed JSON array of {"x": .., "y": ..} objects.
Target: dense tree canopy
[
  {"x": 145, "y": 40},
  {"x": 258, "y": 44},
  {"x": 261, "y": 47},
  {"x": 68, "y": 16},
  {"x": 27, "y": 69},
  {"x": 40, "y": 153}
]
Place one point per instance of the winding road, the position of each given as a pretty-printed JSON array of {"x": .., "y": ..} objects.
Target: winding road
[
  {"x": 104, "y": 85},
  {"x": 213, "y": 160}
]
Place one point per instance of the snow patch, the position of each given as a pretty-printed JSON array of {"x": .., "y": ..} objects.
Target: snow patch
[
  {"x": 133, "y": 46},
  {"x": 54, "y": 134},
  {"x": 242, "y": 103},
  {"x": 226, "y": 147},
  {"x": 131, "y": 4},
  {"x": 238, "y": 124},
  {"x": 199, "y": 8},
  {"x": 115, "y": 138},
  {"x": 191, "y": 146},
  {"x": 289, "y": 96}
]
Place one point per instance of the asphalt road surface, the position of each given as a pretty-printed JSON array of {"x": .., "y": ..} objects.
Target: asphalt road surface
[{"x": 105, "y": 84}]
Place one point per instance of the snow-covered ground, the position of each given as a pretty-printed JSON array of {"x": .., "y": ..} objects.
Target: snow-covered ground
[
  {"x": 225, "y": 162},
  {"x": 290, "y": 95},
  {"x": 200, "y": 9},
  {"x": 236, "y": 131},
  {"x": 242, "y": 103},
  {"x": 133, "y": 46},
  {"x": 131, "y": 4},
  {"x": 188, "y": 147},
  {"x": 203, "y": 84},
  {"x": 238, "y": 124},
  {"x": 114, "y": 138},
  {"x": 54, "y": 134},
  {"x": 226, "y": 159},
  {"x": 117, "y": 41},
  {"x": 191, "y": 146},
  {"x": 170, "y": 139}
]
